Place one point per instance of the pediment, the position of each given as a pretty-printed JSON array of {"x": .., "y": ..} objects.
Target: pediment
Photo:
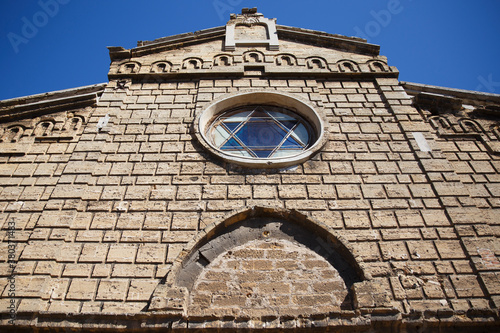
[
  {"x": 209, "y": 58},
  {"x": 249, "y": 43}
]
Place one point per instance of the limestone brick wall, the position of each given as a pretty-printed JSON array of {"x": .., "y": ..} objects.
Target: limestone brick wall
[
  {"x": 103, "y": 210},
  {"x": 99, "y": 220},
  {"x": 269, "y": 278}
]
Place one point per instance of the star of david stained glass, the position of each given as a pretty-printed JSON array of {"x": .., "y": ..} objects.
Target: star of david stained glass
[{"x": 260, "y": 132}]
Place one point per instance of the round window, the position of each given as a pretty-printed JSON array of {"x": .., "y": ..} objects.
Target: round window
[
  {"x": 260, "y": 132},
  {"x": 261, "y": 129}
]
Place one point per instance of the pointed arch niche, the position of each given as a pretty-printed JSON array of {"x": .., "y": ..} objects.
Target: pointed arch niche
[{"x": 269, "y": 261}]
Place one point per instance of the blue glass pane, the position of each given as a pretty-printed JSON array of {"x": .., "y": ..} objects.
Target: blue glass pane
[
  {"x": 289, "y": 124},
  {"x": 260, "y": 131},
  {"x": 231, "y": 144},
  {"x": 280, "y": 116},
  {"x": 259, "y": 114},
  {"x": 262, "y": 153},
  {"x": 261, "y": 134},
  {"x": 238, "y": 117},
  {"x": 243, "y": 153},
  {"x": 291, "y": 143},
  {"x": 232, "y": 125},
  {"x": 287, "y": 152}
]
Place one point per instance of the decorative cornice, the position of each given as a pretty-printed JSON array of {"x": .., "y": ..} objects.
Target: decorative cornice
[
  {"x": 68, "y": 99},
  {"x": 254, "y": 71},
  {"x": 467, "y": 96}
]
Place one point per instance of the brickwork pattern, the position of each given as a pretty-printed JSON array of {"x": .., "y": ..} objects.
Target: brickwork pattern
[
  {"x": 100, "y": 219},
  {"x": 114, "y": 208},
  {"x": 272, "y": 277}
]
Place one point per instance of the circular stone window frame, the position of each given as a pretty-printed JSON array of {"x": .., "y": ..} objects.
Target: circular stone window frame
[{"x": 313, "y": 115}]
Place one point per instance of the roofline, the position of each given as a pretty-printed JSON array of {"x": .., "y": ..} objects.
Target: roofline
[
  {"x": 183, "y": 36},
  {"x": 55, "y": 94},
  {"x": 416, "y": 88},
  {"x": 352, "y": 44},
  {"x": 319, "y": 38},
  {"x": 166, "y": 43}
]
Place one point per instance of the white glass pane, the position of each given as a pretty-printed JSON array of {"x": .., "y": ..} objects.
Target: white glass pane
[
  {"x": 287, "y": 152},
  {"x": 220, "y": 135},
  {"x": 239, "y": 153},
  {"x": 238, "y": 117},
  {"x": 281, "y": 116}
]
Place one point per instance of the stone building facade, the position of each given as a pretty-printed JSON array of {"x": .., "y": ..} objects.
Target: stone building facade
[{"x": 353, "y": 201}]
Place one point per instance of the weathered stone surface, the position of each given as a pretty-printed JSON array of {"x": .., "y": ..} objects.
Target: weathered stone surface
[
  {"x": 261, "y": 279},
  {"x": 102, "y": 200}
]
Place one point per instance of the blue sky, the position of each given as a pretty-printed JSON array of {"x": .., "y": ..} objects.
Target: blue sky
[{"x": 51, "y": 45}]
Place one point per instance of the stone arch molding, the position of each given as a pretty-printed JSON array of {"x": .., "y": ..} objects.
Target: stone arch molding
[
  {"x": 129, "y": 67},
  {"x": 61, "y": 126},
  {"x": 192, "y": 63},
  {"x": 378, "y": 66},
  {"x": 12, "y": 133},
  {"x": 244, "y": 245},
  {"x": 253, "y": 56},
  {"x": 347, "y": 66},
  {"x": 286, "y": 59},
  {"x": 44, "y": 127},
  {"x": 161, "y": 67},
  {"x": 223, "y": 60},
  {"x": 317, "y": 63}
]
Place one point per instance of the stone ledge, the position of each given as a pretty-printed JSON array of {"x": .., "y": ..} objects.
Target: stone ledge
[
  {"x": 38, "y": 105},
  {"x": 238, "y": 72},
  {"x": 344, "y": 321}
]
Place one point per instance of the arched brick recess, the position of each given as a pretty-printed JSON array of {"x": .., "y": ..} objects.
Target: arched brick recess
[
  {"x": 268, "y": 277},
  {"x": 259, "y": 225},
  {"x": 252, "y": 223}
]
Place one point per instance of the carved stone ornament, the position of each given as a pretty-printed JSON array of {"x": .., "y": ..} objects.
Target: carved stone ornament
[{"x": 260, "y": 31}]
